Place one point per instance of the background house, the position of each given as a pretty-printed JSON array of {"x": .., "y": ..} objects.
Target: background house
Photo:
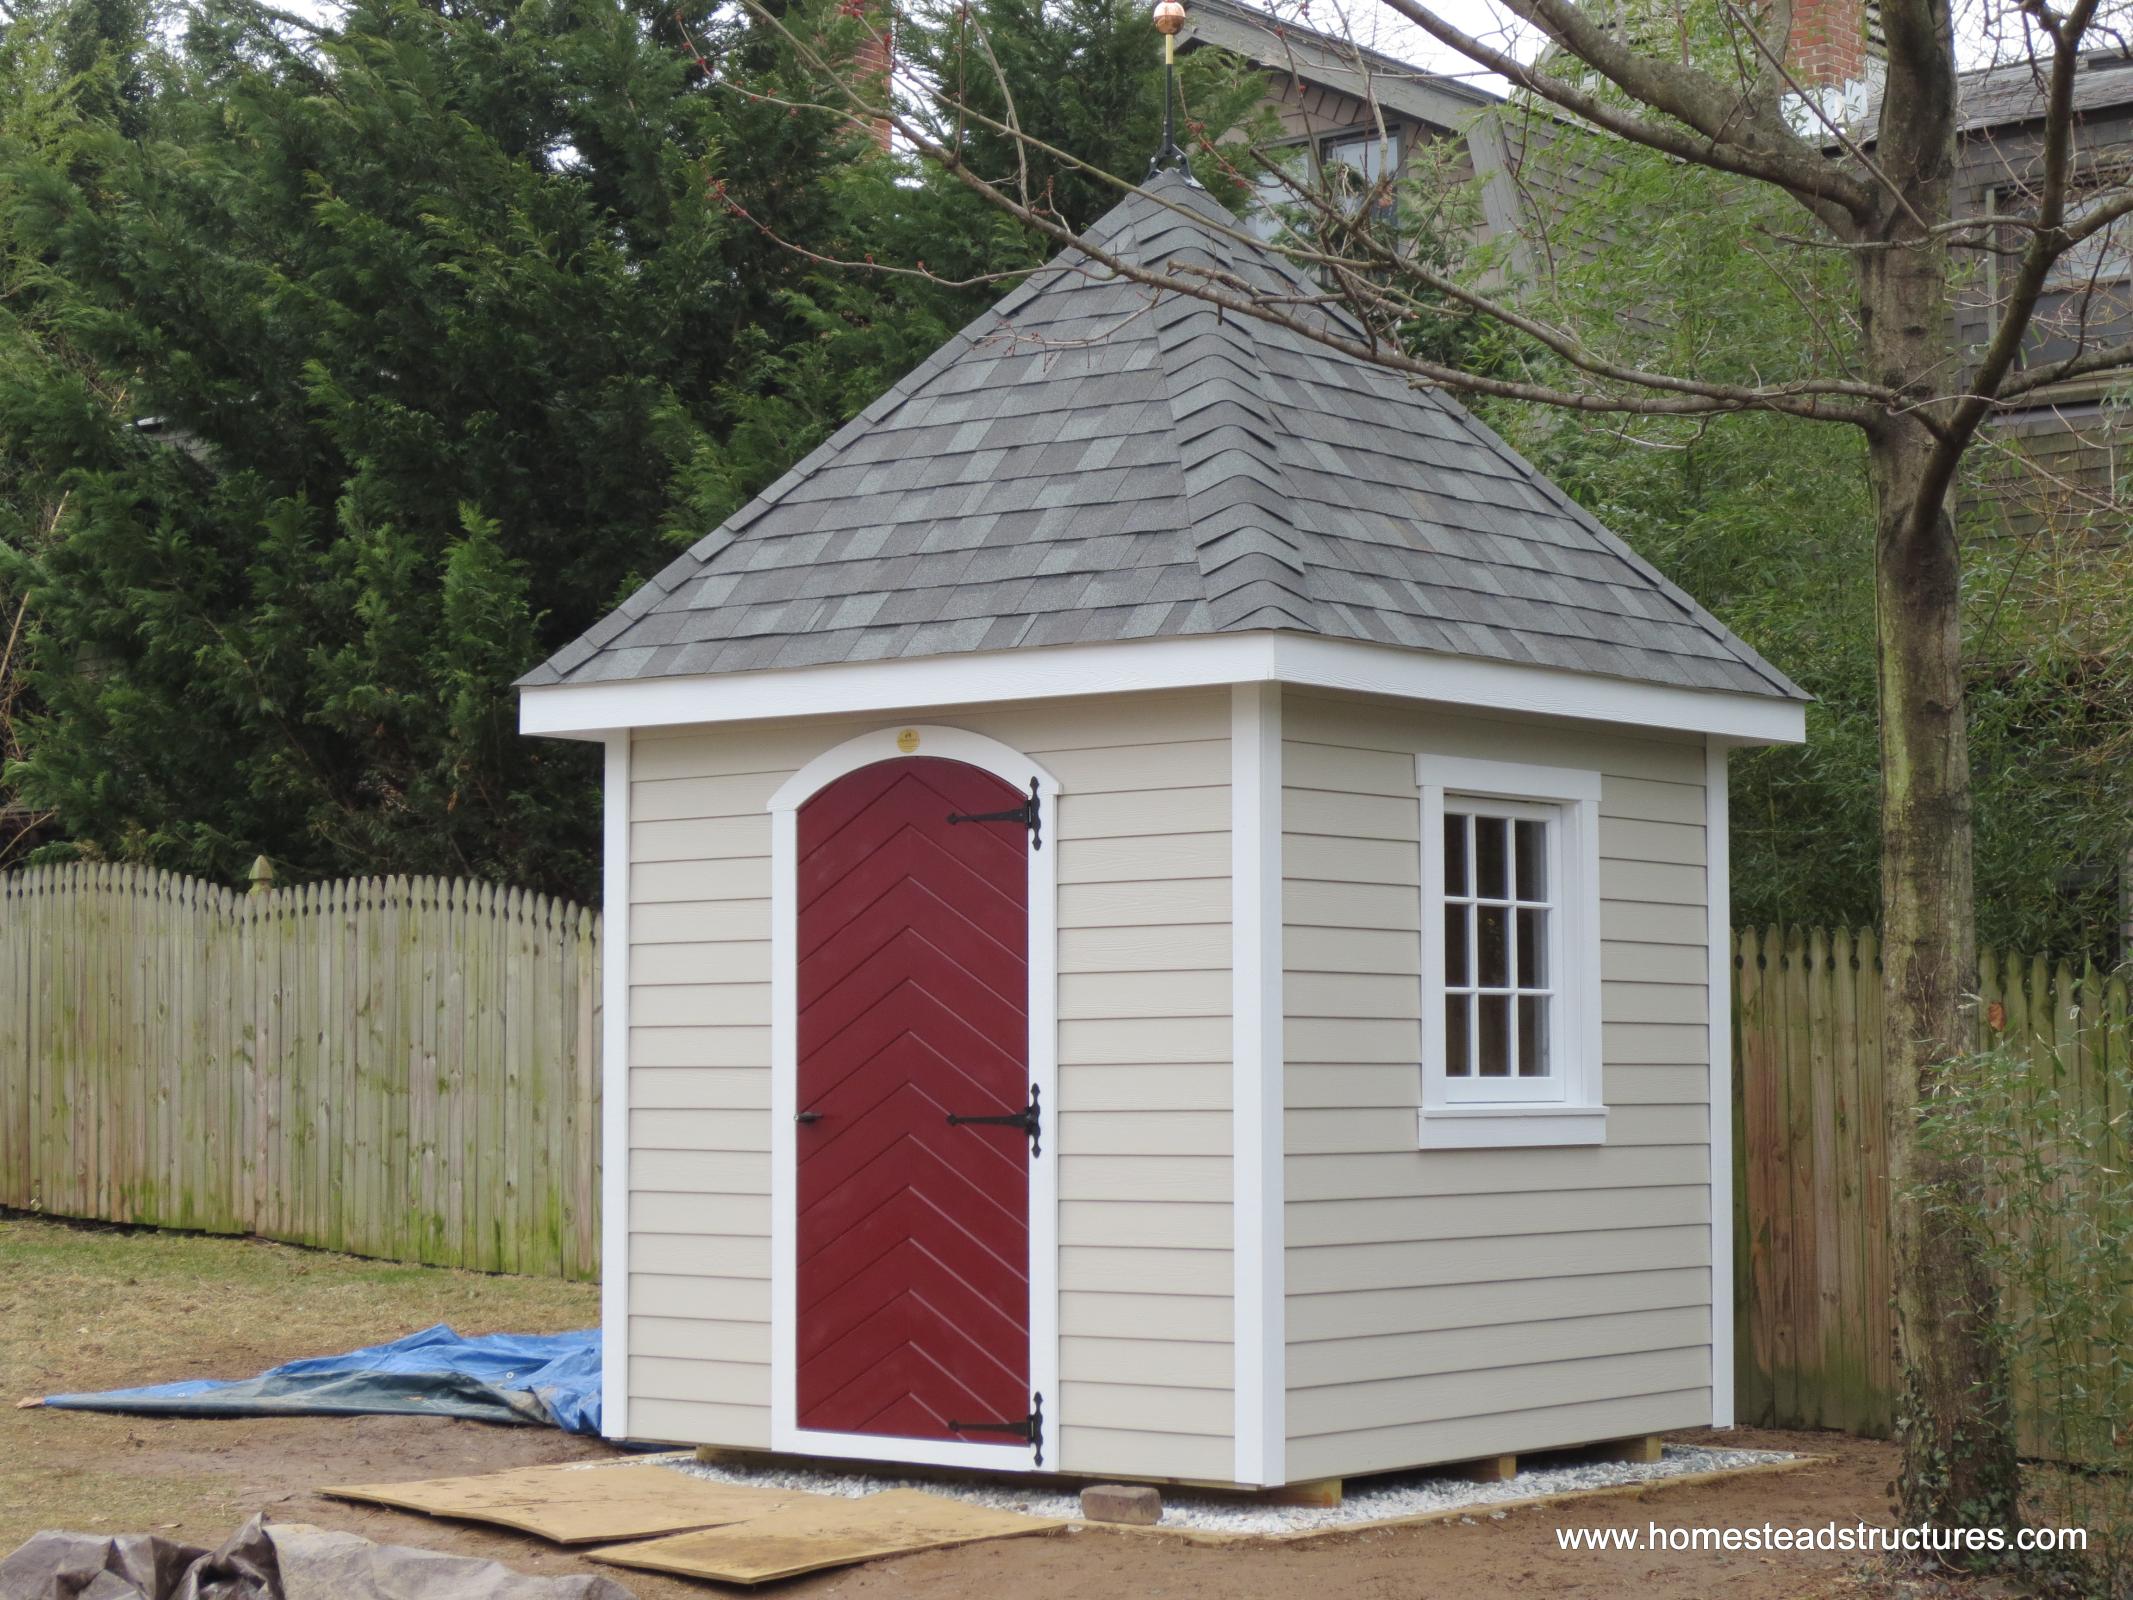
[
  {"x": 1344, "y": 104},
  {"x": 2059, "y": 457}
]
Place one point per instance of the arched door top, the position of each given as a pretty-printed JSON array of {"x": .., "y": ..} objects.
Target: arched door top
[{"x": 912, "y": 739}]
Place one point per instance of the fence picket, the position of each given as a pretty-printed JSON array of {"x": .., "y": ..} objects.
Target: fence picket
[
  {"x": 402, "y": 1068},
  {"x": 1817, "y": 1346}
]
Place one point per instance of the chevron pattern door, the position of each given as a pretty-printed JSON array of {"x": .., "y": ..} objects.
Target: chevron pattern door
[{"x": 913, "y": 1233}]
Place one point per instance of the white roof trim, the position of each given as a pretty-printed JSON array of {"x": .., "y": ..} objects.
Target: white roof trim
[
  {"x": 1433, "y": 98},
  {"x": 591, "y": 710}
]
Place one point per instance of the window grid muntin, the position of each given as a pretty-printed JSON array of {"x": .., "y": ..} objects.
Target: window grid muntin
[{"x": 1469, "y": 811}]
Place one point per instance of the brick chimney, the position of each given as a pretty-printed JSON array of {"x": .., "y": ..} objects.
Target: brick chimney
[
  {"x": 872, "y": 63},
  {"x": 1835, "y": 44}
]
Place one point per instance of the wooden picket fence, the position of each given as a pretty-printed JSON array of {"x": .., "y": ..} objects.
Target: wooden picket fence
[
  {"x": 1814, "y": 1327},
  {"x": 405, "y": 1068}
]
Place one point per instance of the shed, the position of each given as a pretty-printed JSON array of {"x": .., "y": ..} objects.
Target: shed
[{"x": 1165, "y": 919}]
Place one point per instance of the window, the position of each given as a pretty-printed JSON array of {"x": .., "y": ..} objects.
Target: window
[
  {"x": 1274, "y": 190},
  {"x": 1499, "y": 940},
  {"x": 1364, "y": 154},
  {"x": 2087, "y": 297},
  {"x": 1345, "y": 164},
  {"x": 1510, "y": 961},
  {"x": 1352, "y": 162}
]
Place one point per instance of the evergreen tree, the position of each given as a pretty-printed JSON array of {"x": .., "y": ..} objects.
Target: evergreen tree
[
  {"x": 1084, "y": 79},
  {"x": 372, "y": 366},
  {"x": 346, "y": 371}
]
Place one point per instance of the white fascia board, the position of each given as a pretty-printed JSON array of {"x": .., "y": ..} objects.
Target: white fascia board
[{"x": 592, "y": 710}]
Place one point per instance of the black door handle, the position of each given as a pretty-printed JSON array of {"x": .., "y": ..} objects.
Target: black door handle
[{"x": 807, "y": 1116}]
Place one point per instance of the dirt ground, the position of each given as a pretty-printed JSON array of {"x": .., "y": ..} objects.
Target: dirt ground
[{"x": 91, "y": 1307}]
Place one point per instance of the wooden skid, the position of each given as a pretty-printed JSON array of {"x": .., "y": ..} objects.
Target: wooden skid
[
  {"x": 572, "y": 1505},
  {"x": 819, "y": 1532},
  {"x": 1489, "y": 1469},
  {"x": 1643, "y": 1448}
]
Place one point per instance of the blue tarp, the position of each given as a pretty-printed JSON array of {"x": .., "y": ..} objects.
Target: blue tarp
[{"x": 549, "y": 1379}]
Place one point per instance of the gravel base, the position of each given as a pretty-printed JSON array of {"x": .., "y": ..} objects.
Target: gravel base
[{"x": 1373, "y": 1499}]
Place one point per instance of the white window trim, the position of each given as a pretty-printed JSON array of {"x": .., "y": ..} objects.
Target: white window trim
[
  {"x": 1576, "y": 1115},
  {"x": 1014, "y": 768}
]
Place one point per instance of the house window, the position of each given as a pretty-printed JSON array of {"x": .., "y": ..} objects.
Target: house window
[
  {"x": 1511, "y": 952},
  {"x": 2087, "y": 295},
  {"x": 1352, "y": 163},
  {"x": 1367, "y": 155},
  {"x": 1274, "y": 190}
]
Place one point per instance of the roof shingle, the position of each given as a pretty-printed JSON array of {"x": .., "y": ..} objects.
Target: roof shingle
[{"x": 1097, "y": 460}]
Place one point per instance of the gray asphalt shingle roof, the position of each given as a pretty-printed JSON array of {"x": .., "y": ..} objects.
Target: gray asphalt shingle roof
[{"x": 1093, "y": 460}]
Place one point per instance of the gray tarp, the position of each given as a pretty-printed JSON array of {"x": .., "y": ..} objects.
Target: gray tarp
[{"x": 281, "y": 1561}]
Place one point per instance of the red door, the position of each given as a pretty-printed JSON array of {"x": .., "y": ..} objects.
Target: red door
[{"x": 913, "y": 1240}]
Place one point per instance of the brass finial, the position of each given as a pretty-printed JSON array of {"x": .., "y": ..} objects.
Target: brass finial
[{"x": 1169, "y": 19}]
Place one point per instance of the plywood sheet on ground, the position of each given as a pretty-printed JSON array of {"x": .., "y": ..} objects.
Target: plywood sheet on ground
[
  {"x": 820, "y": 1532},
  {"x": 579, "y": 1505}
]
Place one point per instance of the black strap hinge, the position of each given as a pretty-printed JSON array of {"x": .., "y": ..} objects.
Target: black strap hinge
[
  {"x": 1030, "y": 1428},
  {"x": 1030, "y": 1119},
  {"x": 1030, "y": 814}
]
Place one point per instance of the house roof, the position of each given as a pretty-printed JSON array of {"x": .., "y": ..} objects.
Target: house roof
[
  {"x": 1334, "y": 62},
  {"x": 1096, "y": 461},
  {"x": 2006, "y": 96}
]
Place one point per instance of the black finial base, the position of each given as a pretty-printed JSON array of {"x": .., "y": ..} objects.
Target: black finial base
[{"x": 1169, "y": 157}]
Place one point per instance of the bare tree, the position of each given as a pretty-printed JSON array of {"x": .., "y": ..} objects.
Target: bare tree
[{"x": 1881, "y": 196}]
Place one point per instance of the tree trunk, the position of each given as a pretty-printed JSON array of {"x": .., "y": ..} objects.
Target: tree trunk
[{"x": 1959, "y": 1465}]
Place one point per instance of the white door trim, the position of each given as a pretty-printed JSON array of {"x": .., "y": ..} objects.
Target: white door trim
[{"x": 1016, "y": 769}]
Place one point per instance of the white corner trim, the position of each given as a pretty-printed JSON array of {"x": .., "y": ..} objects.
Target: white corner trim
[
  {"x": 614, "y": 1090},
  {"x": 1567, "y": 1109},
  {"x": 1718, "y": 885},
  {"x": 1256, "y": 1012},
  {"x": 1015, "y": 769},
  {"x": 587, "y": 710}
]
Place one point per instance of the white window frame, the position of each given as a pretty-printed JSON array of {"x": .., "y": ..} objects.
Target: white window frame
[{"x": 1565, "y": 1107}]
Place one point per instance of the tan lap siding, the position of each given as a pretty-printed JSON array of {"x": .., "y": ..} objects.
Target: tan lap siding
[
  {"x": 1451, "y": 1303},
  {"x": 1142, "y": 1124}
]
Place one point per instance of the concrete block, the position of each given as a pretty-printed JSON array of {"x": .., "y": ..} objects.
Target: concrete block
[{"x": 1137, "y": 1503}]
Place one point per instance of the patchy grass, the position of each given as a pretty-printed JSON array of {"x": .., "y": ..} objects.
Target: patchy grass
[{"x": 87, "y": 1306}]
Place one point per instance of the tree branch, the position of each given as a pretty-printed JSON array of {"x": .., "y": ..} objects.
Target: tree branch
[
  {"x": 2050, "y": 240},
  {"x": 1709, "y": 137},
  {"x": 1840, "y": 400}
]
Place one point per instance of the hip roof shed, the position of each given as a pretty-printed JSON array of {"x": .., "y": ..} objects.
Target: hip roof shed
[{"x": 1166, "y": 918}]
